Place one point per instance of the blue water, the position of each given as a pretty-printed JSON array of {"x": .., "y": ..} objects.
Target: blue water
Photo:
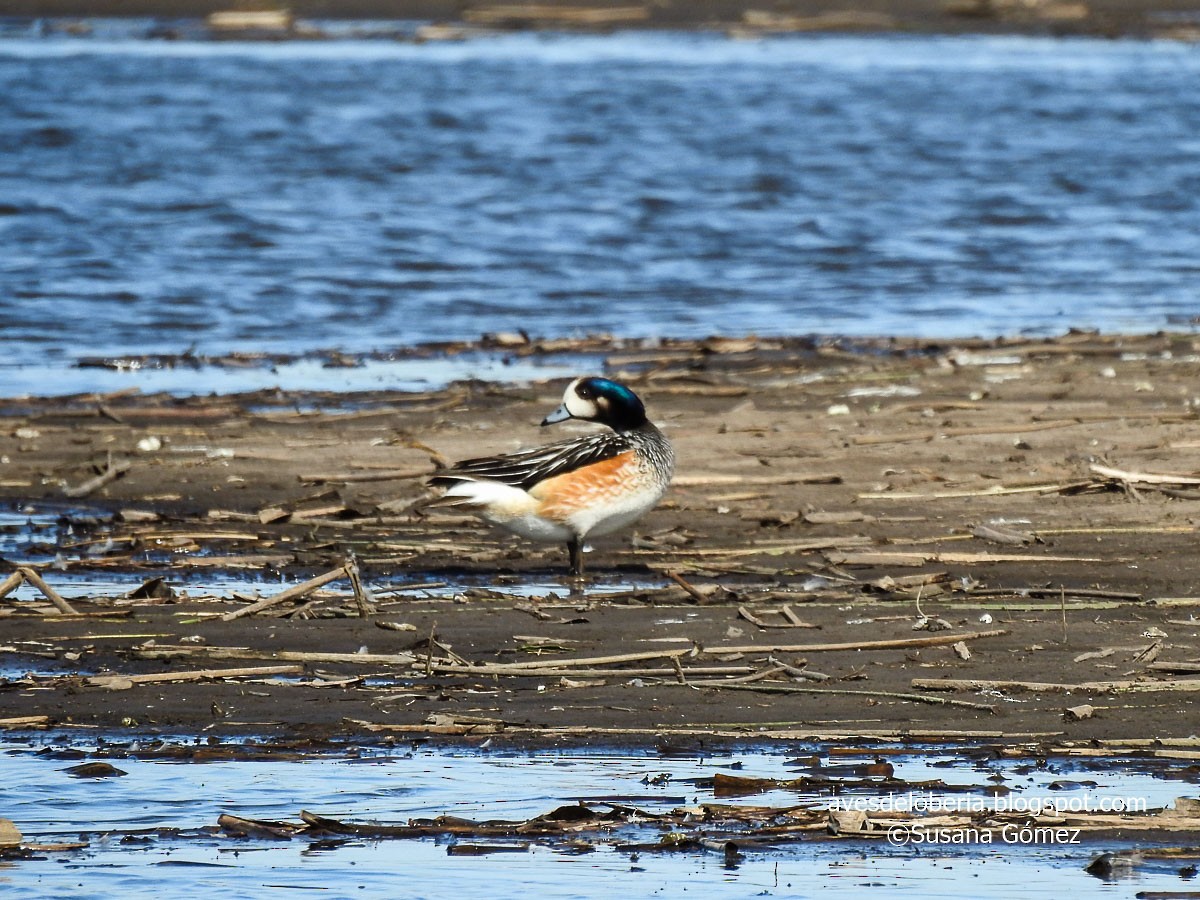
[
  {"x": 48, "y": 806},
  {"x": 159, "y": 196}
]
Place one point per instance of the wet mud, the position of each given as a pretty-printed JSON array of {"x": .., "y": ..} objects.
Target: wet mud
[{"x": 882, "y": 540}]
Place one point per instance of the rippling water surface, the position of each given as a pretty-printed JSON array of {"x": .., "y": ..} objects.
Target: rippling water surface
[
  {"x": 354, "y": 194},
  {"x": 50, "y": 806}
]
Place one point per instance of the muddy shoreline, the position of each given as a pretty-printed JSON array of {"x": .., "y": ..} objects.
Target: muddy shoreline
[
  {"x": 955, "y": 498},
  {"x": 1175, "y": 19}
]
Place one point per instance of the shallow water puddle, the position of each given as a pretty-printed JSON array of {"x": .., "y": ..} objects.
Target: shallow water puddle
[
  {"x": 29, "y": 535},
  {"x": 210, "y": 583},
  {"x": 97, "y": 585},
  {"x": 509, "y": 587},
  {"x": 132, "y": 846}
]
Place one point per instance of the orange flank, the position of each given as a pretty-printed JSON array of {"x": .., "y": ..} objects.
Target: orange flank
[{"x": 604, "y": 482}]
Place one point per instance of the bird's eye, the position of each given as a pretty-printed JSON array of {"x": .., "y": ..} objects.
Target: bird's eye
[{"x": 586, "y": 391}]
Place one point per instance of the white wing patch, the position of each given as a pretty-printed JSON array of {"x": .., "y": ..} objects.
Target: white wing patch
[{"x": 505, "y": 505}]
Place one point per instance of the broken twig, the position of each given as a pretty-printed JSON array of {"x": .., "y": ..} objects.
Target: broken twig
[
  {"x": 893, "y": 644},
  {"x": 292, "y": 593},
  {"x": 52, "y": 595},
  {"x": 111, "y": 473},
  {"x": 119, "y": 681},
  {"x": 800, "y": 689}
]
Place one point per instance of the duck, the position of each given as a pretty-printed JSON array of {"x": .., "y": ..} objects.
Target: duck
[{"x": 575, "y": 489}]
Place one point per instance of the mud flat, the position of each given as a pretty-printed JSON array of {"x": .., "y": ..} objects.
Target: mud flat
[
  {"x": 455, "y": 20},
  {"x": 888, "y": 540}
]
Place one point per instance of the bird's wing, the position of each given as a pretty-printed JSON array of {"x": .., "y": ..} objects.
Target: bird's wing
[{"x": 526, "y": 468}]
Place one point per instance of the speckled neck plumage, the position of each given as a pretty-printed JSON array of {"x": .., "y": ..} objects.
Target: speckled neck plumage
[{"x": 654, "y": 446}]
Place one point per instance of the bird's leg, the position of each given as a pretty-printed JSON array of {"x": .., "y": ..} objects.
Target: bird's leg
[{"x": 575, "y": 549}]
